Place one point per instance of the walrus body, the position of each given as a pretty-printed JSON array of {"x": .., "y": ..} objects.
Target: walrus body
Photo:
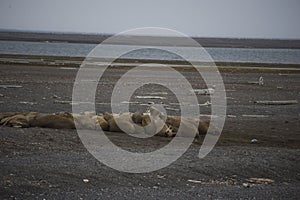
[
  {"x": 52, "y": 121},
  {"x": 200, "y": 127},
  {"x": 152, "y": 123}
]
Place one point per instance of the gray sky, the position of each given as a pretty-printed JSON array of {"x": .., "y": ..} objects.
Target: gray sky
[{"x": 208, "y": 18}]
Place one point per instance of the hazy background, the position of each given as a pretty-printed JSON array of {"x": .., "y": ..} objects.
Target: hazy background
[{"x": 205, "y": 18}]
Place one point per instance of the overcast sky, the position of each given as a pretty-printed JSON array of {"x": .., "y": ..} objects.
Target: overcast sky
[{"x": 208, "y": 18}]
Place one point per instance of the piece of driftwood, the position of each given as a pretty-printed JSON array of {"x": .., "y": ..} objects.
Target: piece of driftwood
[
  {"x": 204, "y": 91},
  {"x": 150, "y": 97},
  {"x": 255, "y": 116},
  {"x": 11, "y": 86},
  {"x": 286, "y": 102}
]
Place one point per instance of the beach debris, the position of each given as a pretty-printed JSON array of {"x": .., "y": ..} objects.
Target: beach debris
[
  {"x": 44, "y": 98},
  {"x": 246, "y": 185},
  {"x": 261, "y": 81},
  {"x": 254, "y": 141},
  {"x": 208, "y": 116},
  {"x": 158, "y": 93},
  {"x": 85, "y": 180},
  {"x": 162, "y": 177},
  {"x": 231, "y": 116},
  {"x": 26, "y": 102},
  {"x": 194, "y": 181},
  {"x": 68, "y": 68},
  {"x": 214, "y": 182},
  {"x": 75, "y": 102},
  {"x": 130, "y": 102},
  {"x": 255, "y": 116},
  {"x": 230, "y": 98},
  {"x": 208, "y": 103},
  {"x": 208, "y": 91},
  {"x": 279, "y": 87},
  {"x": 1, "y": 95},
  {"x": 286, "y": 102},
  {"x": 55, "y": 96},
  {"x": 173, "y": 109},
  {"x": 150, "y": 97},
  {"x": 62, "y": 102},
  {"x": 10, "y": 86},
  {"x": 260, "y": 180}
]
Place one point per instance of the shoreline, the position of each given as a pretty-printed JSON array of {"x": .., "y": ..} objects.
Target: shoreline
[
  {"x": 98, "y": 38},
  {"x": 124, "y": 63}
]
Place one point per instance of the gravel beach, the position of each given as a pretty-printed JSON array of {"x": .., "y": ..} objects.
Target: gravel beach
[{"x": 258, "y": 141}]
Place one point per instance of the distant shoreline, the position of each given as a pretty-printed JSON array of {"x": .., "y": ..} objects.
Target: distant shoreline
[
  {"x": 142, "y": 40},
  {"x": 75, "y": 62}
]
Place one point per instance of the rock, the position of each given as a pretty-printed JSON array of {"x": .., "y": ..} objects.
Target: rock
[
  {"x": 85, "y": 180},
  {"x": 254, "y": 141},
  {"x": 246, "y": 185}
]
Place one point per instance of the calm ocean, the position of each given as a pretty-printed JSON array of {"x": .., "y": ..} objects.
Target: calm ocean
[{"x": 291, "y": 56}]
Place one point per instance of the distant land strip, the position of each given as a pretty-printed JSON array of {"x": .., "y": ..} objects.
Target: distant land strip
[
  {"x": 124, "y": 63},
  {"x": 148, "y": 40}
]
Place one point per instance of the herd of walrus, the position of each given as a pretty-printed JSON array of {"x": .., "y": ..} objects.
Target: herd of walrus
[{"x": 152, "y": 122}]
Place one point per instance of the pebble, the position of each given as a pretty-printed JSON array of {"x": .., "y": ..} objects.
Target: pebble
[
  {"x": 254, "y": 141},
  {"x": 159, "y": 176},
  {"x": 85, "y": 180}
]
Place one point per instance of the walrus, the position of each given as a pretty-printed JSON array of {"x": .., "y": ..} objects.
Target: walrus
[
  {"x": 102, "y": 123},
  {"x": 8, "y": 114},
  {"x": 20, "y": 120},
  {"x": 189, "y": 125},
  {"x": 122, "y": 119},
  {"x": 132, "y": 123},
  {"x": 55, "y": 121},
  {"x": 17, "y": 121},
  {"x": 137, "y": 118},
  {"x": 157, "y": 126}
]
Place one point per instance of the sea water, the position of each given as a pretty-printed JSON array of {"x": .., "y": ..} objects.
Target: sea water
[{"x": 256, "y": 55}]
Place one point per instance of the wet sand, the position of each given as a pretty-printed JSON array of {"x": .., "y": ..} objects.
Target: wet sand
[{"x": 49, "y": 163}]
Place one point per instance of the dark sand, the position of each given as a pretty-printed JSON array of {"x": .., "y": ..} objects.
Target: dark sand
[{"x": 46, "y": 163}]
